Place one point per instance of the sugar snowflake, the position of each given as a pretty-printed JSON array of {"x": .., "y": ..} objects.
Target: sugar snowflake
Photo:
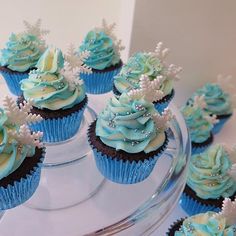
[{"x": 162, "y": 120}]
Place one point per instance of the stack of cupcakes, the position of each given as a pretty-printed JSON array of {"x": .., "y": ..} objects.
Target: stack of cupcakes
[
  {"x": 129, "y": 136},
  {"x": 21, "y": 55},
  {"x": 153, "y": 65},
  {"x": 57, "y": 93},
  {"x": 104, "y": 58},
  {"x": 21, "y": 154}
]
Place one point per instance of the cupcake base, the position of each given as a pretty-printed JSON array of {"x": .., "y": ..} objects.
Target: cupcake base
[
  {"x": 222, "y": 120},
  {"x": 192, "y": 204},
  {"x": 120, "y": 166},
  {"x": 201, "y": 147},
  {"x": 175, "y": 227},
  {"x": 59, "y": 125},
  {"x": 100, "y": 81},
  {"x": 13, "y": 79},
  {"x": 20, "y": 185},
  {"x": 164, "y": 102}
]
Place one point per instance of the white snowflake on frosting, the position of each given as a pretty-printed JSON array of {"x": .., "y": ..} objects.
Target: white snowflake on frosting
[
  {"x": 229, "y": 86},
  {"x": 73, "y": 66},
  {"x": 211, "y": 119},
  {"x": 149, "y": 90},
  {"x": 161, "y": 121},
  {"x": 199, "y": 101},
  {"x": 19, "y": 115},
  {"x": 228, "y": 211},
  {"x": 25, "y": 137},
  {"x": 108, "y": 29}
]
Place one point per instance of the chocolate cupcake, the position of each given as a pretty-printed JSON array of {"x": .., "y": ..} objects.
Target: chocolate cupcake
[
  {"x": 104, "y": 58},
  {"x": 199, "y": 124},
  {"x": 208, "y": 223},
  {"x": 57, "y": 94},
  {"x": 152, "y": 65},
  {"x": 21, "y": 154},
  {"x": 211, "y": 178},
  {"x": 127, "y": 139},
  {"x": 21, "y": 54}
]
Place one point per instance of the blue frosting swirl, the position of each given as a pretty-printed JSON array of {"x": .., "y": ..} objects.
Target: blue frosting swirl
[
  {"x": 127, "y": 125},
  {"x": 101, "y": 48},
  {"x": 21, "y": 53}
]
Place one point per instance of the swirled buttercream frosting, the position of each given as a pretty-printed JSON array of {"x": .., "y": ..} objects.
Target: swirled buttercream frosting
[
  {"x": 101, "y": 48},
  {"x": 127, "y": 125},
  {"x": 47, "y": 87},
  {"x": 206, "y": 225},
  {"x": 209, "y": 174},
  {"x": 21, "y": 53}
]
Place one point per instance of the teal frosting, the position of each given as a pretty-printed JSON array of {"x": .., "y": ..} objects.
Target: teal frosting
[
  {"x": 21, "y": 53},
  {"x": 208, "y": 174},
  {"x": 199, "y": 127},
  {"x": 127, "y": 125},
  {"x": 101, "y": 48},
  {"x": 47, "y": 87},
  {"x": 206, "y": 225},
  {"x": 218, "y": 102},
  {"x": 12, "y": 154},
  {"x": 137, "y": 65}
]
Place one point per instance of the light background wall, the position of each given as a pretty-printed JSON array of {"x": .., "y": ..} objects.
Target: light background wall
[{"x": 201, "y": 35}]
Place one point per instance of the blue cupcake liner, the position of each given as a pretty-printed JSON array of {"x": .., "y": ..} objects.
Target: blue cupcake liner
[
  {"x": 59, "y": 129},
  {"x": 13, "y": 81},
  {"x": 193, "y": 207},
  {"x": 217, "y": 127},
  {"x": 124, "y": 172},
  {"x": 99, "y": 82},
  {"x": 18, "y": 193},
  {"x": 200, "y": 149}
]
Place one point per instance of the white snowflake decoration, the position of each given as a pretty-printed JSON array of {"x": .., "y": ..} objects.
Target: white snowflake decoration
[
  {"x": 25, "y": 137},
  {"x": 108, "y": 29},
  {"x": 149, "y": 90},
  {"x": 229, "y": 86},
  {"x": 228, "y": 211},
  {"x": 35, "y": 29},
  {"x": 199, "y": 102},
  {"x": 19, "y": 115},
  {"x": 211, "y": 119},
  {"x": 161, "y": 121},
  {"x": 73, "y": 66}
]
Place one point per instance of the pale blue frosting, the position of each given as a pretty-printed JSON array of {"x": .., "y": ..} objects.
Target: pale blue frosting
[
  {"x": 208, "y": 174},
  {"x": 12, "y": 154},
  {"x": 218, "y": 102},
  {"x": 127, "y": 125},
  {"x": 199, "y": 127},
  {"x": 137, "y": 65},
  {"x": 206, "y": 224},
  {"x": 47, "y": 87},
  {"x": 101, "y": 48},
  {"x": 21, "y": 53}
]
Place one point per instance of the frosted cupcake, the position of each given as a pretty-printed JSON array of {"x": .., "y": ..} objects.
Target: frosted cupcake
[
  {"x": 21, "y": 154},
  {"x": 57, "y": 94},
  {"x": 209, "y": 223},
  {"x": 220, "y": 99},
  {"x": 104, "y": 58},
  {"x": 211, "y": 178},
  {"x": 128, "y": 137},
  {"x": 21, "y": 54},
  {"x": 199, "y": 123},
  {"x": 153, "y": 65}
]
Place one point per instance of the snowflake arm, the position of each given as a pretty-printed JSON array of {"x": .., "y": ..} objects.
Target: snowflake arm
[
  {"x": 162, "y": 120},
  {"x": 199, "y": 101}
]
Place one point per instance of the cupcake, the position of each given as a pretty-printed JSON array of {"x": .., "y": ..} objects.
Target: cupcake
[
  {"x": 199, "y": 124},
  {"x": 211, "y": 178},
  {"x": 154, "y": 65},
  {"x": 208, "y": 223},
  {"x": 57, "y": 94},
  {"x": 220, "y": 98},
  {"x": 104, "y": 58},
  {"x": 128, "y": 137},
  {"x": 21, "y": 54},
  {"x": 21, "y": 154}
]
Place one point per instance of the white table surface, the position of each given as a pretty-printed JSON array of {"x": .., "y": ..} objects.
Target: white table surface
[{"x": 21, "y": 220}]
